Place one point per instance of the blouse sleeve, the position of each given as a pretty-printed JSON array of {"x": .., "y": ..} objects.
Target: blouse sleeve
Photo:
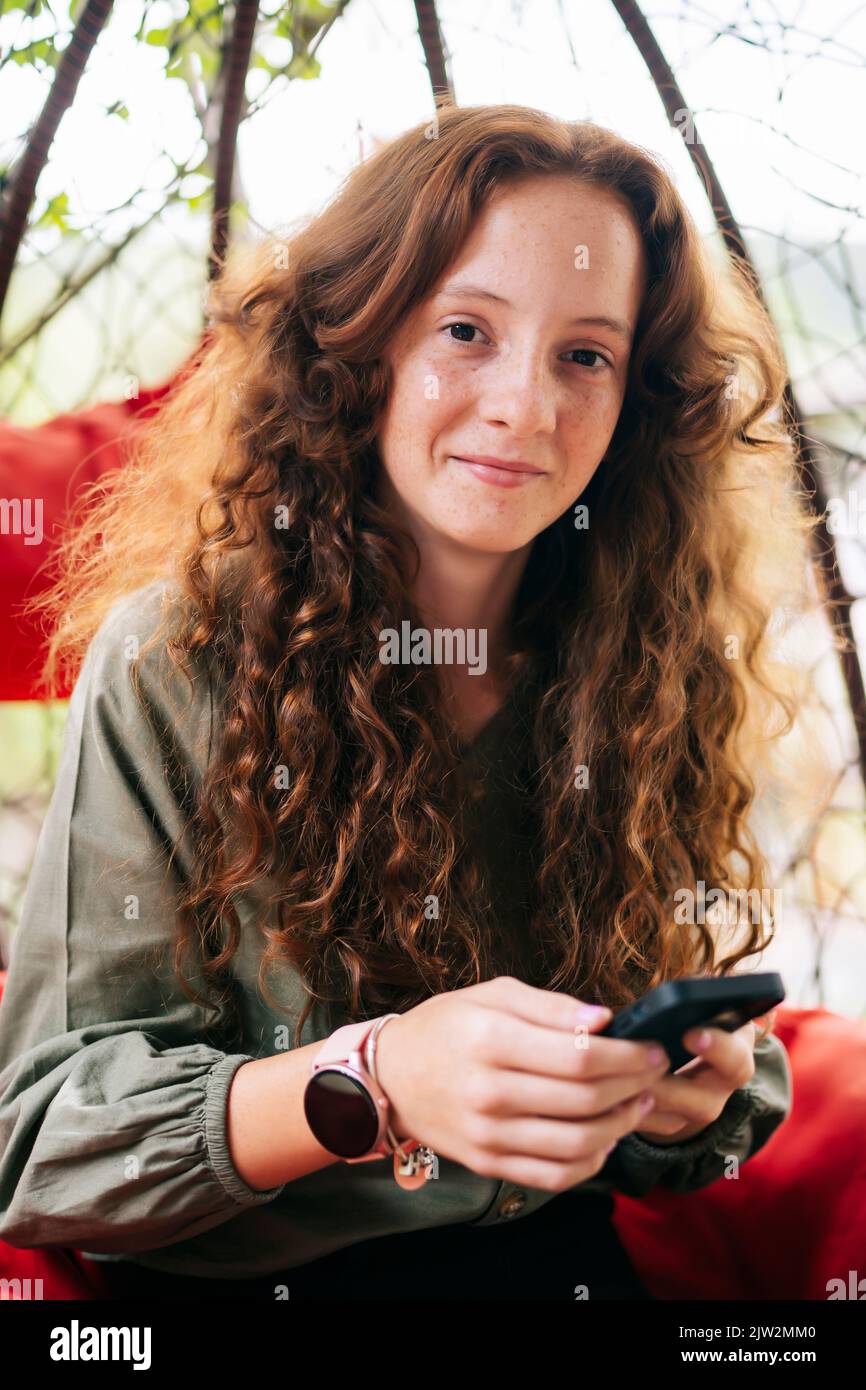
[
  {"x": 112, "y": 1107},
  {"x": 750, "y": 1117}
]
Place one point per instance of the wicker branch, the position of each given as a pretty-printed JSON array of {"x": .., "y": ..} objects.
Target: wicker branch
[
  {"x": 19, "y": 196},
  {"x": 434, "y": 49},
  {"x": 233, "y": 77},
  {"x": 840, "y": 601}
]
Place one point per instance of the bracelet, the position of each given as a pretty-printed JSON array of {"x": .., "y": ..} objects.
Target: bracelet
[
  {"x": 370, "y": 1063},
  {"x": 423, "y": 1156}
]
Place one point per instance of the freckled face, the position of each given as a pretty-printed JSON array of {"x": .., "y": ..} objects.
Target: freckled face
[{"x": 512, "y": 375}]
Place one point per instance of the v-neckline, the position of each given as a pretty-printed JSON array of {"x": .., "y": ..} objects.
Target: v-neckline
[{"x": 466, "y": 748}]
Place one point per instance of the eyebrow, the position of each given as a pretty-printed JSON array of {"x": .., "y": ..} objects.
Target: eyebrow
[{"x": 593, "y": 320}]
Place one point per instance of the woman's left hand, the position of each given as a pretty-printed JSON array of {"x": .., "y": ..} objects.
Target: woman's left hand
[{"x": 689, "y": 1100}]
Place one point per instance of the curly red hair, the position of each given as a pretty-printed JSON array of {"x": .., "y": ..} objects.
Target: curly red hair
[{"x": 622, "y": 631}]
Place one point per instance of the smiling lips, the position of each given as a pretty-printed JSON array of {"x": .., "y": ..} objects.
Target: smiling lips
[{"x": 499, "y": 472}]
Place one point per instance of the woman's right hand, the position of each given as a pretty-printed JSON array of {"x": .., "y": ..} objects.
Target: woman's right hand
[{"x": 505, "y": 1079}]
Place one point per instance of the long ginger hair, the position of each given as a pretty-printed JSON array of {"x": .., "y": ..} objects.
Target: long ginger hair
[{"x": 646, "y": 640}]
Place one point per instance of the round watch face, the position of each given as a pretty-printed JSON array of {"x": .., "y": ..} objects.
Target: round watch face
[{"x": 341, "y": 1113}]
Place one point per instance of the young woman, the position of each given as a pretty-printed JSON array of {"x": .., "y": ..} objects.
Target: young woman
[{"x": 427, "y": 662}]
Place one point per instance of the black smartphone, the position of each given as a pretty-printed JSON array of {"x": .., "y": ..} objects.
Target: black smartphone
[{"x": 675, "y": 1007}]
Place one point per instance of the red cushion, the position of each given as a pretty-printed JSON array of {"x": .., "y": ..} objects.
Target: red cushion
[
  {"x": 795, "y": 1218},
  {"x": 50, "y": 463},
  {"x": 50, "y": 1273}
]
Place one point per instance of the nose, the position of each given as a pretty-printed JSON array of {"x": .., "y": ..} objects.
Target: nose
[{"x": 521, "y": 392}]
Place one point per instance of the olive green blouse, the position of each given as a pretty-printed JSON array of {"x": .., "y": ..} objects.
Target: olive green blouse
[{"x": 113, "y": 1108}]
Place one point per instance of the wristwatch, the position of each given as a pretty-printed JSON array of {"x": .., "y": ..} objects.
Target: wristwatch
[
  {"x": 345, "y": 1106},
  {"x": 348, "y": 1112}
]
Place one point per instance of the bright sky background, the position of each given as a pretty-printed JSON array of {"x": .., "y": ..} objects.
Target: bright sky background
[
  {"x": 806, "y": 82},
  {"x": 779, "y": 106}
]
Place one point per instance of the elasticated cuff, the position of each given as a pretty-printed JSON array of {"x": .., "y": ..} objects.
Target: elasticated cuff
[{"x": 219, "y": 1081}]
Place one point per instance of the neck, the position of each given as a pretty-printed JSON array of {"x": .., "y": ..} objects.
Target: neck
[{"x": 457, "y": 588}]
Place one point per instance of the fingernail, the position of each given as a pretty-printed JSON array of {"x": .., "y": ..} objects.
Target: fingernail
[
  {"x": 702, "y": 1039},
  {"x": 657, "y": 1055},
  {"x": 647, "y": 1104}
]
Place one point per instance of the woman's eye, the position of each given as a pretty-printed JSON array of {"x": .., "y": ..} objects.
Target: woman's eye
[
  {"x": 465, "y": 331},
  {"x": 465, "y": 327},
  {"x": 591, "y": 352}
]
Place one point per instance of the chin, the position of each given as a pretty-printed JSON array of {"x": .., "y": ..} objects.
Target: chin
[{"x": 488, "y": 540}]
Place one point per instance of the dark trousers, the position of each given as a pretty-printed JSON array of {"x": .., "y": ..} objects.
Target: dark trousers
[{"x": 567, "y": 1246}]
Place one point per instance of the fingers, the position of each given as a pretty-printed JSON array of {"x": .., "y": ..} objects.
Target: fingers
[
  {"x": 558, "y": 1140},
  {"x": 522, "y": 1046},
  {"x": 661, "y": 1125},
  {"x": 544, "y": 1032},
  {"x": 698, "y": 1096},
  {"x": 731, "y": 1055},
  {"x": 548, "y": 1008},
  {"x": 556, "y": 1046},
  {"x": 524, "y": 1094}
]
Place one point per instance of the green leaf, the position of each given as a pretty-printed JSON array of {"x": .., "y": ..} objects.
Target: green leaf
[
  {"x": 302, "y": 65},
  {"x": 56, "y": 213},
  {"x": 39, "y": 51}
]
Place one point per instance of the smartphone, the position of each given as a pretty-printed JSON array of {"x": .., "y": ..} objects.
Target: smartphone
[{"x": 676, "y": 1006}]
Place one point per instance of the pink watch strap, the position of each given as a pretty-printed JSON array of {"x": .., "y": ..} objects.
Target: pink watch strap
[
  {"x": 412, "y": 1161},
  {"x": 346, "y": 1047},
  {"x": 340, "y": 1045}
]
